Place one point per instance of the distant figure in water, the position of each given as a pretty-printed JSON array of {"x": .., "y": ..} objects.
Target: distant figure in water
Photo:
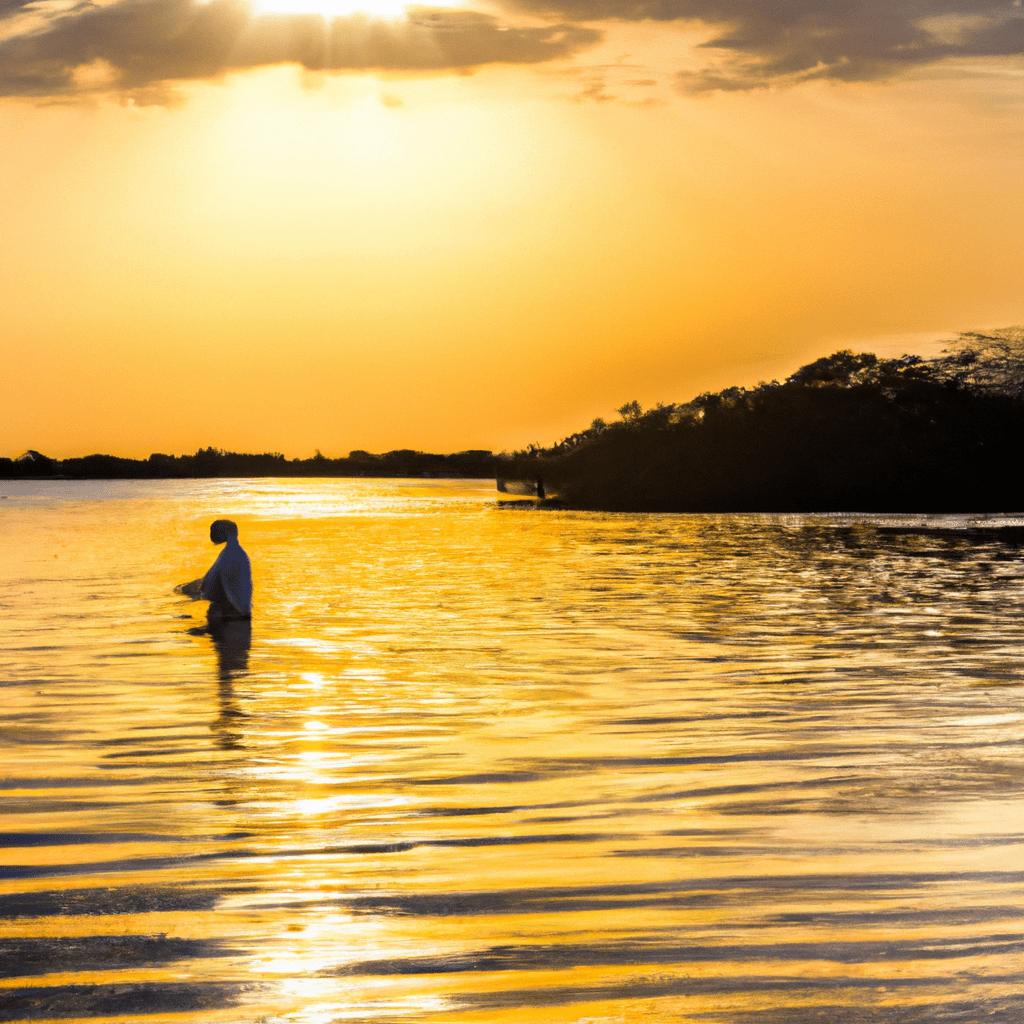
[{"x": 228, "y": 584}]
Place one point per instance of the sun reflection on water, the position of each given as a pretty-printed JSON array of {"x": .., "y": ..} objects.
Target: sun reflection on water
[{"x": 486, "y": 764}]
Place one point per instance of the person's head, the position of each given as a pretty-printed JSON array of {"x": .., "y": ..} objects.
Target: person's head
[{"x": 222, "y": 530}]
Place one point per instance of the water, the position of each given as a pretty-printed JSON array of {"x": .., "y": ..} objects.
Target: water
[{"x": 484, "y": 763}]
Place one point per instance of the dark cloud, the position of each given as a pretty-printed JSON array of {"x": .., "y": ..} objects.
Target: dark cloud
[
  {"x": 766, "y": 42},
  {"x": 137, "y": 45}
]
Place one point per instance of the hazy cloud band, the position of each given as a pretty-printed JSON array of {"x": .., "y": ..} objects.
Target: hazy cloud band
[
  {"x": 134, "y": 45},
  {"x": 773, "y": 42},
  {"x": 137, "y": 44}
]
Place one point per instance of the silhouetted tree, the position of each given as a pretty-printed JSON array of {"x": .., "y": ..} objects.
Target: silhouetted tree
[
  {"x": 849, "y": 431},
  {"x": 991, "y": 362}
]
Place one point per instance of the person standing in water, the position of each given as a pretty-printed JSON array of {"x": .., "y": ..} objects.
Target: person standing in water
[{"x": 228, "y": 584}]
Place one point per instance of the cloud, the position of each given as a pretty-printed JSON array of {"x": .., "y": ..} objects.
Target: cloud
[
  {"x": 758, "y": 43},
  {"x": 69, "y": 47},
  {"x": 138, "y": 45}
]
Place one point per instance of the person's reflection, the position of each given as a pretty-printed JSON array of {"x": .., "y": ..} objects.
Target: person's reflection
[{"x": 232, "y": 639}]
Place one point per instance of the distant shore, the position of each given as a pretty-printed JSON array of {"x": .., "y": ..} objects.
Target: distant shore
[
  {"x": 213, "y": 462},
  {"x": 847, "y": 432}
]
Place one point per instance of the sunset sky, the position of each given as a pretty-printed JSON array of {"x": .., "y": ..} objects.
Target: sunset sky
[{"x": 325, "y": 224}]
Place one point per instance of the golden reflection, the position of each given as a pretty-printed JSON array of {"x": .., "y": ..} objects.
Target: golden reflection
[{"x": 688, "y": 768}]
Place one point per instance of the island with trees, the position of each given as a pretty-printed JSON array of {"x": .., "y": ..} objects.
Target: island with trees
[{"x": 849, "y": 432}]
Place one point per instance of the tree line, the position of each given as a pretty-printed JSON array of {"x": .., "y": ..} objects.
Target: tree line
[
  {"x": 849, "y": 432},
  {"x": 214, "y": 462}
]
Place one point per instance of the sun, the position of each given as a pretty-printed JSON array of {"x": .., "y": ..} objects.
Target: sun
[{"x": 390, "y": 9}]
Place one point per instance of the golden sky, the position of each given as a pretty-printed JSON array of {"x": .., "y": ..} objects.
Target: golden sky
[{"x": 298, "y": 225}]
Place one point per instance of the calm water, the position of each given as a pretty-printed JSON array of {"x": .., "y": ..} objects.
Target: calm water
[{"x": 484, "y": 763}]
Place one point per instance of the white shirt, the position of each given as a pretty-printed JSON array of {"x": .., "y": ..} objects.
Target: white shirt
[{"x": 232, "y": 574}]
